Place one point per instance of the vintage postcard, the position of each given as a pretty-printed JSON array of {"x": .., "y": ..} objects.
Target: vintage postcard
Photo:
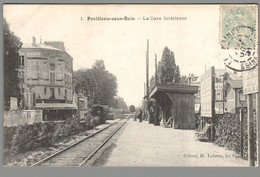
[{"x": 130, "y": 85}]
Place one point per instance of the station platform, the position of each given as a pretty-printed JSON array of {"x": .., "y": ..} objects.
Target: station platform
[{"x": 143, "y": 144}]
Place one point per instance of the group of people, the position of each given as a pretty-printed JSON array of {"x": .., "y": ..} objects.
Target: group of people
[{"x": 139, "y": 115}]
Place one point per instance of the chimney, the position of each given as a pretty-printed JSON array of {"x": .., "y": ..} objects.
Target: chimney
[{"x": 34, "y": 41}]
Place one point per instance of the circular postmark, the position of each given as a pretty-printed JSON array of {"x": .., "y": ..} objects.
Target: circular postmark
[
  {"x": 239, "y": 38},
  {"x": 241, "y": 60}
]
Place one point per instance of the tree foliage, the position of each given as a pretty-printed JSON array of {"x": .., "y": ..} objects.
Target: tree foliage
[
  {"x": 132, "y": 108},
  {"x": 168, "y": 71},
  {"x": 11, "y": 64},
  {"x": 97, "y": 83},
  {"x": 121, "y": 104},
  {"x": 184, "y": 80}
]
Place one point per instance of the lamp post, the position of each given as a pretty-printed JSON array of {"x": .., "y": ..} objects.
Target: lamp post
[{"x": 242, "y": 100}]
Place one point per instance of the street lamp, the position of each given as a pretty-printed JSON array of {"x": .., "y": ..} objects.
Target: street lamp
[{"x": 242, "y": 100}]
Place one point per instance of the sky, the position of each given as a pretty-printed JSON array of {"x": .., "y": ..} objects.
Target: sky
[{"x": 122, "y": 44}]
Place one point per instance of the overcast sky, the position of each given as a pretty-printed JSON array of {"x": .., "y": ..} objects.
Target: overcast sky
[{"x": 122, "y": 44}]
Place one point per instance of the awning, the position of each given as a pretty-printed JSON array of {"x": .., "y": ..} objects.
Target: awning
[{"x": 56, "y": 106}]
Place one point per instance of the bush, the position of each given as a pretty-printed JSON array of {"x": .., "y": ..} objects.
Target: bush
[
  {"x": 227, "y": 132},
  {"x": 28, "y": 137}
]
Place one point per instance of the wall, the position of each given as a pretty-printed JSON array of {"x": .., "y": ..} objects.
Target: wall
[
  {"x": 231, "y": 100},
  {"x": 21, "y": 117},
  {"x": 183, "y": 110}
]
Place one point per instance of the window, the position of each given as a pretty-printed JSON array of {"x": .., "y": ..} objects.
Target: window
[
  {"x": 45, "y": 90},
  {"x": 52, "y": 66},
  {"x": 52, "y": 96},
  {"x": 52, "y": 77},
  {"x": 59, "y": 91},
  {"x": 38, "y": 71},
  {"x": 22, "y": 60},
  {"x": 65, "y": 94}
]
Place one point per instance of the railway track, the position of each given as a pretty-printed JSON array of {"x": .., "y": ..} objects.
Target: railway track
[{"x": 79, "y": 153}]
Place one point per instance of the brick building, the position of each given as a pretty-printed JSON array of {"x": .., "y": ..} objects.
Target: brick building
[{"x": 46, "y": 74}]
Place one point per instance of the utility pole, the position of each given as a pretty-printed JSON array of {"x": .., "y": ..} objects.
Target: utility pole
[
  {"x": 257, "y": 150},
  {"x": 223, "y": 94},
  {"x": 147, "y": 79},
  {"x": 155, "y": 76},
  {"x": 213, "y": 103},
  {"x": 147, "y": 69},
  {"x": 242, "y": 100},
  {"x": 250, "y": 130}
]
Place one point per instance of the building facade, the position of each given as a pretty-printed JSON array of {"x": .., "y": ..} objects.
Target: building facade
[
  {"x": 46, "y": 79},
  {"x": 225, "y": 95}
]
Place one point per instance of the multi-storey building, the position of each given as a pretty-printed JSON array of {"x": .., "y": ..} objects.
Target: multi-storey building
[
  {"x": 46, "y": 73},
  {"x": 221, "y": 91}
]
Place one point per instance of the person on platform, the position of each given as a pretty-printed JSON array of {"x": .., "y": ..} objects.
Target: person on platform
[
  {"x": 135, "y": 115},
  {"x": 140, "y": 115}
]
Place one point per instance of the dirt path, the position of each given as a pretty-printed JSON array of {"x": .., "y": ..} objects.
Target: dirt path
[{"x": 143, "y": 144}]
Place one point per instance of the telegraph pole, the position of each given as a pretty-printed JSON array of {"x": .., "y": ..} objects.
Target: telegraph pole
[
  {"x": 147, "y": 79},
  {"x": 147, "y": 70},
  {"x": 155, "y": 76},
  {"x": 250, "y": 130}
]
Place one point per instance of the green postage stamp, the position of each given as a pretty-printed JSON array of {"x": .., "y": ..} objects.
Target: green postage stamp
[
  {"x": 238, "y": 36},
  {"x": 238, "y": 26}
]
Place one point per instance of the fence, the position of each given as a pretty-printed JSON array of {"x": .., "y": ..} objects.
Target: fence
[{"x": 21, "y": 117}]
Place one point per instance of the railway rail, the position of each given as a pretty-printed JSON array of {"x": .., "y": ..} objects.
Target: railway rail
[{"x": 79, "y": 153}]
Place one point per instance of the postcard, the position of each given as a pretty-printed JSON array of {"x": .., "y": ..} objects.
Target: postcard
[{"x": 130, "y": 85}]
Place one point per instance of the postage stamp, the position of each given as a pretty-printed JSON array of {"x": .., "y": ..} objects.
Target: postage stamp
[
  {"x": 238, "y": 27},
  {"x": 238, "y": 34}
]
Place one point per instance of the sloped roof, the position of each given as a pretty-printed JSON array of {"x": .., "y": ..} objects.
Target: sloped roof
[
  {"x": 220, "y": 72},
  {"x": 39, "y": 46},
  {"x": 235, "y": 83},
  {"x": 232, "y": 76}
]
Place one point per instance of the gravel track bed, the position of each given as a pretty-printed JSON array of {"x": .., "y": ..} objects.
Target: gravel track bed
[{"x": 78, "y": 153}]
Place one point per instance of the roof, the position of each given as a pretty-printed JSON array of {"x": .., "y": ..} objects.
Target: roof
[
  {"x": 39, "y": 46},
  {"x": 101, "y": 105},
  {"x": 173, "y": 88},
  {"x": 235, "y": 83}
]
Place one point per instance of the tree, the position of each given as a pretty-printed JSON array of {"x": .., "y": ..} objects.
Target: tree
[
  {"x": 183, "y": 80},
  {"x": 177, "y": 76},
  {"x": 11, "y": 65},
  {"x": 167, "y": 70},
  {"x": 96, "y": 83},
  {"x": 132, "y": 108},
  {"x": 121, "y": 104},
  {"x": 99, "y": 64}
]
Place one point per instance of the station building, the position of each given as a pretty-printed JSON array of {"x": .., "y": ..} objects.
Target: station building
[{"x": 46, "y": 79}]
